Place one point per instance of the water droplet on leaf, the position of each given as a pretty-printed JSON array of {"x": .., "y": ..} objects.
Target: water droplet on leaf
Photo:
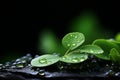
[
  {"x": 91, "y": 51},
  {"x": 75, "y": 59},
  {"x": 73, "y": 44},
  {"x": 76, "y": 37},
  {"x": 43, "y": 61},
  {"x": 68, "y": 44},
  {"x": 82, "y": 60}
]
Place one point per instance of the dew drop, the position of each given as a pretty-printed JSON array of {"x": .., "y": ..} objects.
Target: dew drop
[
  {"x": 19, "y": 65},
  {"x": 23, "y": 61},
  {"x": 81, "y": 60},
  {"x": 117, "y": 74},
  {"x": 13, "y": 66},
  {"x": 17, "y": 60},
  {"x": 75, "y": 59},
  {"x": 41, "y": 73},
  {"x": 68, "y": 44},
  {"x": 43, "y": 61},
  {"x": 73, "y": 44},
  {"x": 76, "y": 37},
  {"x": 91, "y": 51}
]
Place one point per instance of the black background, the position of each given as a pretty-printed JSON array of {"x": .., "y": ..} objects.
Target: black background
[{"x": 21, "y": 22}]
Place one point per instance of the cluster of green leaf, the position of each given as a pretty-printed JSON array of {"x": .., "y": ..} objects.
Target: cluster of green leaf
[
  {"x": 106, "y": 49},
  {"x": 75, "y": 53},
  {"x": 111, "y": 48}
]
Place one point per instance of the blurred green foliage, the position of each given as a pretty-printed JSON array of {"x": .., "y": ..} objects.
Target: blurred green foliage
[
  {"x": 88, "y": 23},
  {"x": 49, "y": 43}
]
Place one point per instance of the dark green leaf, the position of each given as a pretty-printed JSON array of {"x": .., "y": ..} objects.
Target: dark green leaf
[
  {"x": 45, "y": 60},
  {"x": 106, "y": 46},
  {"x": 73, "y": 40},
  {"x": 74, "y": 58},
  {"x": 93, "y": 49},
  {"x": 115, "y": 42},
  {"x": 114, "y": 56}
]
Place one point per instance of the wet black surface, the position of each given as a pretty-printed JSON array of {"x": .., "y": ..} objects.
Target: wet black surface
[{"x": 91, "y": 69}]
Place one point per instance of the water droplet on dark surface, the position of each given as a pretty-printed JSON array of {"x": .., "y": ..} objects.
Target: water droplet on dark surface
[
  {"x": 19, "y": 65},
  {"x": 68, "y": 45},
  {"x": 117, "y": 74}
]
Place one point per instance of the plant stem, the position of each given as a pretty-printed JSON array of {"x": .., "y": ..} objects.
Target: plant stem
[
  {"x": 75, "y": 51},
  {"x": 67, "y": 51}
]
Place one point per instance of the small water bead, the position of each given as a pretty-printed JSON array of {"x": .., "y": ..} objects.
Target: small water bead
[
  {"x": 13, "y": 66},
  {"x": 82, "y": 60},
  {"x": 91, "y": 51},
  {"x": 36, "y": 56},
  {"x": 73, "y": 44},
  {"x": 19, "y": 65},
  {"x": 24, "y": 57},
  {"x": 76, "y": 36},
  {"x": 117, "y": 74},
  {"x": 43, "y": 61},
  {"x": 71, "y": 35},
  {"x": 28, "y": 55},
  {"x": 75, "y": 60},
  {"x": 68, "y": 45},
  {"x": 17, "y": 60},
  {"x": 41, "y": 72},
  {"x": 23, "y": 61}
]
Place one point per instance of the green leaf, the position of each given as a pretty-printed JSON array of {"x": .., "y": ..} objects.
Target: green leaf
[
  {"x": 74, "y": 58},
  {"x": 115, "y": 42},
  {"x": 114, "y": 56},
  {"x": 93, "y": 49},
  {"x": 106, "y": 46},
  {"x": 73, "y": 40},
  {"x": 45, "y": 60}
]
